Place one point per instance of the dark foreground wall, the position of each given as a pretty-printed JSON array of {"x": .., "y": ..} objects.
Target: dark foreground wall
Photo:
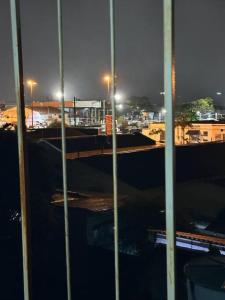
[
  {"x": 56, "y": 132},
  {"x": 85, "y": 143},
  {"x": 47, "y": 237},
  {"x": 146, "y": 169}
]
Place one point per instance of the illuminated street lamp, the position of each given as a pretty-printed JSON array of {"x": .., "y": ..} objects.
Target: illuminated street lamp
[
  {"x": 59, "y": 95},
  {"x": 198, "y": 113},
  {"x": 107, "y": 80},
  {"x": 118, "y": 97},
  {"x": 31, "y": 84},
  {"x": 219, "y": 93}
]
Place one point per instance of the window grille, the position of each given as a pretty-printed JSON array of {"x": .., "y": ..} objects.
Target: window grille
[{"x": 169, "y": 88}]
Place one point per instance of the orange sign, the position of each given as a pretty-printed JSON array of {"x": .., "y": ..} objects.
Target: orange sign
[{"x": 108, "y": 124}]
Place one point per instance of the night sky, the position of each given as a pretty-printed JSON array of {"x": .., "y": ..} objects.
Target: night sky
[{"x": 200, "y": 48}]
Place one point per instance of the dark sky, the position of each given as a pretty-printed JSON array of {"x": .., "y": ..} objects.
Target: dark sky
[{"x": 200, "y": 48}]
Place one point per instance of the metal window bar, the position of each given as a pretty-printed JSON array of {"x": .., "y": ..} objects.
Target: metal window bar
[
  {"x": 21, "y": 132},
  {"x": 63, "y": 137},
  {"x": 114, "y": 146},
  {"x": 169, "y": 87},
  {"x": 170, "y": 91}
]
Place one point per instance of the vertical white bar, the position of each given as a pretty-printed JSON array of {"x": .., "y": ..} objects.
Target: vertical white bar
[
  {"x": 63, "y": 136},
  {"x": 169, "y": 88},
  {"x": 21, "y": 132},
  {"x": 114, "y": 145}
]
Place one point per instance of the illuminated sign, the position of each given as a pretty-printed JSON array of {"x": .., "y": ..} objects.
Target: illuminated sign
[
  {"x": 88, "y": 104},
  {"x": 108, "y": 124}
]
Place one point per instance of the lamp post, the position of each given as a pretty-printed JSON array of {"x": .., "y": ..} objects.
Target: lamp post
[
  {"x": 31, "y": 84},
  {"x": 107, "y": 80},
  {"x": 74, "y": 111}
]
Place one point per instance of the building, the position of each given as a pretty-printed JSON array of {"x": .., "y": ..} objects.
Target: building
[
  {"x": 36, "y": 116},
  {"x": 197, "y": 132},
  {"x": 79, "y": 112},
  {"x": 50, "y": 114},
  {"x": 10, "y": 116},
  {"x": 53, "y": 103}
]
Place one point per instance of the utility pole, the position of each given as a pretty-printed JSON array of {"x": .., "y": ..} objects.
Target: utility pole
[
  {"x": 31, "y": 84},
  {"x": 103, "y": 111},
  {"x": 74, "y": 111}
]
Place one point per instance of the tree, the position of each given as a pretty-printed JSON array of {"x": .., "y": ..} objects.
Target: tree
[
  {"x": 140, "y": 103},
  {"x": 193, "y": 108},
  {"x": 189, "y": 112},
  {"x": 157, "y": 131},
  {"x": 183, "y": 120},
  {"x": 185, "y": 117},
  {"x": 203, "y": 105}
]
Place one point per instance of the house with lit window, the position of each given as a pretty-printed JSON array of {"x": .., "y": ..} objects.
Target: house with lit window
[{"x": 196, "y": 132}]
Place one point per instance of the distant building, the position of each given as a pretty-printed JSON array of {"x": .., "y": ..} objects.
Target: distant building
[
  {"x": 47, "y": 112},
  {"x": 78, "y": 112},
  {"x": 53, "y": 103},
  {"x": 10, "y": 116},
  {"x": 197, "y": 132},
  {"x": 51, "y": 114},
  {"x": 38, "y": 116}
]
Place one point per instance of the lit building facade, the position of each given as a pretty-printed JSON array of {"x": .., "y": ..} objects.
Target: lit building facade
[{"x": 197, "y": 132}]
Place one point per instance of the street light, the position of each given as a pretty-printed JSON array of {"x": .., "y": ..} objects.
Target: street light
[
  {"x": 118, "y": 97},
  {"x": 198, "y": 113},
  {"x": 120, "y": 106},
  {"x": 31, "y": 83},
  {"x": 59, "y": 95},
  {"x": 107, "y": 80}
]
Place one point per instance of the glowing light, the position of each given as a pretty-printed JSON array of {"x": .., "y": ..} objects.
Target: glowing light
[
  {"x": 120, "y": 106},
  {"x": 59, "y": 95},
  {"x": 107, "y": 78},
  {"x": 118, "y": 97},
  {"x": 31, "y": 82},
  {"x": 219, "y": 93}
]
